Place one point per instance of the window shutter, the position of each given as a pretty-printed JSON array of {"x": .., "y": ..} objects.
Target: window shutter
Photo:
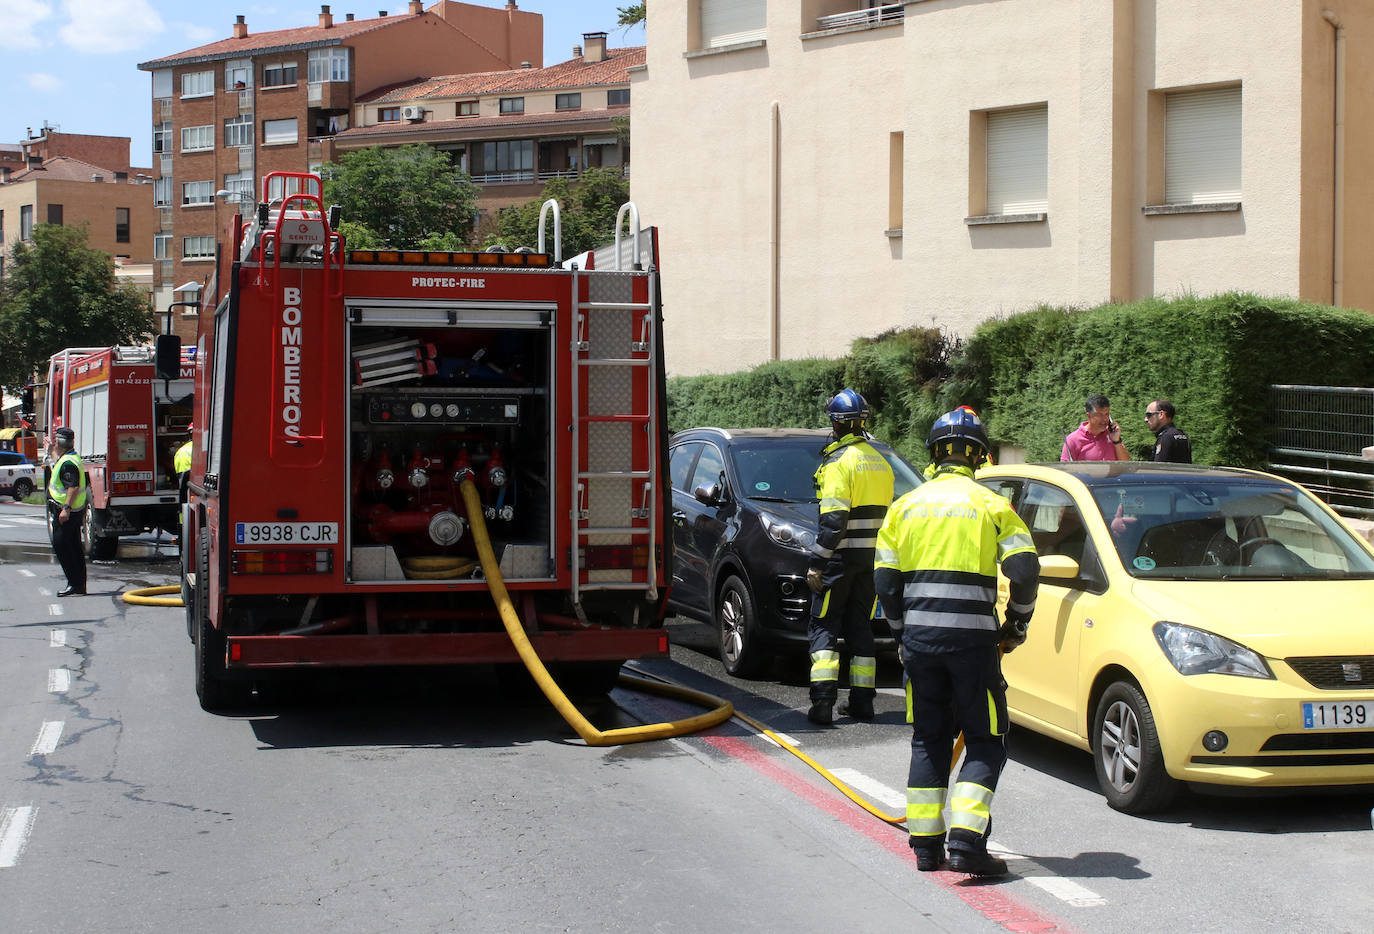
[
  {"x": 1202, "y": 146},
  {"x": 1018, "y": 161},
  {"x": 279, "y": 131},
  {"x": 725, "y": 22}
]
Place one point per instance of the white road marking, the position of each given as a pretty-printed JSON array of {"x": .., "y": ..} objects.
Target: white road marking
[
  {"x": 14, "y": 833},
  {"x": 59, "y": 680},
  {"x": 872, "y": 788},
  {"x": 893, "y": 692},
  {"x": 26, "y": 520},
  {"x": 45, "y": 591},
  {"x": 782, "y": 736},
  {"x": 57, "y": 638},
  {"x": 55, "y": 609},
  {"x": 48, "y": 737},
  {"x": 1067, "y": 890},
  {"x": 26, "y": 572}
]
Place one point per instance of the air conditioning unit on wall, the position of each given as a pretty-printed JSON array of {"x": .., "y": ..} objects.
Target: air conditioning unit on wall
[{"x": 413, "y": 114}]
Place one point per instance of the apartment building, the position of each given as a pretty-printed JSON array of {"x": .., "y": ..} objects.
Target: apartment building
[
  {"x": 114, "y": 200},
  {"x": 227, "y": 113},
  {"x": 512, "y": 130},
  {"x": 938, "y": 162}
]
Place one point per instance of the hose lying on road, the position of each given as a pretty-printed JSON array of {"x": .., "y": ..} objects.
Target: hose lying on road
[
  {"x": 149, "y": 596},
  {"x": 590, "y": 735}
]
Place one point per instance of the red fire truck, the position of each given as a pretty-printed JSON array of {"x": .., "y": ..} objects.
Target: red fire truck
[
  {"x": 340, "y": 399},
  {"x": 128, "y": 425}
]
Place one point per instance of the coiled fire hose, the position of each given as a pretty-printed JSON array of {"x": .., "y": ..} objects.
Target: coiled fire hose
[{"x": 151, "y": 596}]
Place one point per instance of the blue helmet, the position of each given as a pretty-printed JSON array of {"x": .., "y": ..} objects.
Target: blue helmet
[
  {"x": 847, "y": 406},
  {"x": 959, "y": 432}
]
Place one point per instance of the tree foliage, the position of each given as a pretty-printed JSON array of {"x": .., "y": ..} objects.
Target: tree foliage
[
  {"x": 631, "y": 15},
  {"x": 61, "y": 293},
  {"x": 407, "y": 198},
  {"x": 587, "y": 213}
]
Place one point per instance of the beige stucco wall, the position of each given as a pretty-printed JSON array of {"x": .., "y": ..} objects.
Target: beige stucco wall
[
  {"x": 706, "y": 178},
  {"x": 703, "y": 165}
]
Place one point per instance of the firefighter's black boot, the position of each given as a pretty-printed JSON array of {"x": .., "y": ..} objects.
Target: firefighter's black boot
[
  {"x": 861, "y": 703},
  {"x": 822, "y": 713},
  {"x": 930, "y": 852},
  {"x": 968, "y": 853}
]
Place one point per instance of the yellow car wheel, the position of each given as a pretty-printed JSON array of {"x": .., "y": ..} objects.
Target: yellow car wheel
[{"x": 1130, "y": 764}]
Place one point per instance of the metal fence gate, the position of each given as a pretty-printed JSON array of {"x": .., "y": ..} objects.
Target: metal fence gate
[{"x": 1317, "y": 434}]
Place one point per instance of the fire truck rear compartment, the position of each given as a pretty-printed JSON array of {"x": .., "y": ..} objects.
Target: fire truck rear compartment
[{"x": 428, "y": 406}]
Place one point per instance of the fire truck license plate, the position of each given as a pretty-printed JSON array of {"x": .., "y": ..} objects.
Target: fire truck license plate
[
  {"x": 1338, "y": 715},
  {"x": 286, "y": 533}
]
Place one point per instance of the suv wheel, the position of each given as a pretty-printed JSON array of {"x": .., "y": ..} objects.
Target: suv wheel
[
  {"x": 23, "y": 487},
  {"x": 737, "y": 630}
]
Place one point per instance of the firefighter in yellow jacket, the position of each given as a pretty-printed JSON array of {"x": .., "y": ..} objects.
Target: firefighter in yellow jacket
[
  {"x": 854, "y": 483},
  {"x": 936, "y": 578}
]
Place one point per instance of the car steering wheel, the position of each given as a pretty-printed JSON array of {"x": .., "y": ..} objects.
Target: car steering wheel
[
  {"x": 1255, "y": 543},
  {"x": 1216, "y": 552}
]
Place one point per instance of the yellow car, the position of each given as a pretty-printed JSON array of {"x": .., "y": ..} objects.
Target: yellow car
[{"x": 1194, "y": 624}]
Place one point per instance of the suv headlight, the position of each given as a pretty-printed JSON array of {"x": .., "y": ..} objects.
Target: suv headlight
[
  {"x": 786, "y": 534},
  {"x": 1198, "y": 652}
]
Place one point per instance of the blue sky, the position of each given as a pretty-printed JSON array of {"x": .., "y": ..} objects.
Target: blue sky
[{"x": 72, "y": 63}]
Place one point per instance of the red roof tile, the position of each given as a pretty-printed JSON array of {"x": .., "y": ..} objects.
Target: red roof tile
[
  {"x": 278, "y": 39},
  {"x": 573, "y": 73},
  {"x": 67, "y": 169}
]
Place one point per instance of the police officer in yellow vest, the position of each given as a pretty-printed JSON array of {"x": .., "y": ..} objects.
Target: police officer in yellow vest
[
  {"x": 936, "y": 578},
  {"x": 854, "y": 483},
  {"x": 67, "y": 494}
]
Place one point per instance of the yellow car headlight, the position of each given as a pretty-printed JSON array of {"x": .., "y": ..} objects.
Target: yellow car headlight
[{"x": 1198, "y": 652}]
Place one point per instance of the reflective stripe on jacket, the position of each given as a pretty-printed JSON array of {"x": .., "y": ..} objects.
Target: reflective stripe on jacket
[
  {"x": 945, "y": 539},
  {"x": 854, "y": 483},
  {"x": 57, "y": 492}
]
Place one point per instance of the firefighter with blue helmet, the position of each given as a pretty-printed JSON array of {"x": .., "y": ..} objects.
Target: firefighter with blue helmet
[
  {"x": 854, "y": 484},
  {"x": 936, "y": 578}
]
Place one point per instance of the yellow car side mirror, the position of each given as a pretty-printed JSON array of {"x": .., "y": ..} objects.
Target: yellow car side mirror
[{"x": 1058, "y": 566}]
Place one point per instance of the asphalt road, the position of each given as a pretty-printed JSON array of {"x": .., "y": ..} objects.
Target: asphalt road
[{"x": 436, "y": 801}]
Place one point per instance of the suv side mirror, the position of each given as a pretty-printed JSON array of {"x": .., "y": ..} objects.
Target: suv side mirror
[
  {"x": 167, "y": 357},
  {"x": 708, "y": 493}
]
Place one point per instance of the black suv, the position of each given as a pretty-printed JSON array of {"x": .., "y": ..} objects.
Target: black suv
[{"x": 745, "y": 514}]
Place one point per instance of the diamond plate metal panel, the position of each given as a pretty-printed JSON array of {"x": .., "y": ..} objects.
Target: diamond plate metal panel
[
  {"x": 608, "y": 501},
  {"x": 608, "y": 446},
  {"x": 610, "y": 390}
]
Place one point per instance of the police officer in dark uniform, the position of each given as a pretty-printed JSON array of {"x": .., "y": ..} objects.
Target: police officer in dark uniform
[
  {"x": 936, "y": 578},
  {"x": 854, "y": 483},
  {"x": 67, "y": 495},
  {"x": 1171, "y": 444}
]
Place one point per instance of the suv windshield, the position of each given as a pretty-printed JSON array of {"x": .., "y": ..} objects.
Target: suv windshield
[
  {"x": 784, "y": 469},
  {"x": 1220, "y": 529}
]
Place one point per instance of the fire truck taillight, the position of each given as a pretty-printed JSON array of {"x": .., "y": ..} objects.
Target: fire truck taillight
[
  {"x": 610, "y": 557},
  {"x": 282, "y": 562}
]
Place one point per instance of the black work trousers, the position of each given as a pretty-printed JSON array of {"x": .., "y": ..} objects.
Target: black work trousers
[
  {"x": 66, "y": 545},
  {"x": 955, "y": 692},
  {"x": 844, "y": 608}
]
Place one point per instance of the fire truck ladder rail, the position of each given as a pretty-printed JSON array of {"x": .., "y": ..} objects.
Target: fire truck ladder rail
[{"x": 603, "y": 320}]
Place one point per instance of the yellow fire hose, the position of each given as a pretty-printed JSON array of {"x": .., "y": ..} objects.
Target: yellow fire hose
[
  {"x": 590, "y": 734},
  {"x": 149, "y": 596}
]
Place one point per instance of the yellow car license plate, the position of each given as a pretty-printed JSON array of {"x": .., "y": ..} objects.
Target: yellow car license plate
[{"x": 1338, "y": 715}]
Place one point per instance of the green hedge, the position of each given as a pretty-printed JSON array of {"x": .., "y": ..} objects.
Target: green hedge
[{"x": 1029, "y": 373}]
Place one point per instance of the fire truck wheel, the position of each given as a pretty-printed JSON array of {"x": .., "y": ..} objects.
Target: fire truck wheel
[
  {"x": 737, "y": 630},
  {"x": 215, "y": 691},
  {"x": 99, "y": 547}
]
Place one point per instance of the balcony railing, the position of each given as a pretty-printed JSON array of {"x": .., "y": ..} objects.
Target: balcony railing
[
  {"x": 504, "y": 178},
  {"x": 878, "y": 14}
]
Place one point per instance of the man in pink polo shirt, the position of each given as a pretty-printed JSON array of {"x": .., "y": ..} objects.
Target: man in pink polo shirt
[{"x": 1098, "y": 438}]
